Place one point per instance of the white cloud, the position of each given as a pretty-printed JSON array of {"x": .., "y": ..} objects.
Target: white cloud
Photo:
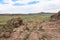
[{"x": 44, "y": 5}]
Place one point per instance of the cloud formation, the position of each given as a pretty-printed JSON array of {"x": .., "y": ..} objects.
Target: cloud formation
[
  {"x": 2, "y": 2},
  {"x": 29, "y": 6}
]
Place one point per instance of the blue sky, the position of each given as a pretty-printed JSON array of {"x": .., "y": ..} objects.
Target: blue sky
[{"x": 29, "y": 6}]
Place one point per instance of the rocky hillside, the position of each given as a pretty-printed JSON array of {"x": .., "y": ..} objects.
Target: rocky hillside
[{"x": 46, "y": 30}]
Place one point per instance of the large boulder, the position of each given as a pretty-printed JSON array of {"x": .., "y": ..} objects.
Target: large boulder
[
  {"x": 55, "y": 16},
  {"x": 15, "y": 22}
]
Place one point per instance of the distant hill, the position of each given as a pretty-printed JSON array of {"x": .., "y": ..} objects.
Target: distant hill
[{"x": 26, "y": 14}]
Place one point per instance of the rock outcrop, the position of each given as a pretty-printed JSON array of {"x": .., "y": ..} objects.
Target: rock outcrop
[
  {"x": 55, "y": 16},
  {"x": 48, "y": 30}
]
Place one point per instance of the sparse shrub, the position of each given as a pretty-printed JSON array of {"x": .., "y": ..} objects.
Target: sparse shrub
[
  {"x": 40, "y": 29},
  {"x": 27, "y": 28},
  {"x": 43, "y": 37},
  {"x": 30, "y": 21},
  {"x": 27, "y": 36},
  {"x": 34, "y": 28}
]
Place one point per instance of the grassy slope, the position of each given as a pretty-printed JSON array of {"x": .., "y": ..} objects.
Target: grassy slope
[
  {"x": 5, "y": 18},
  {"x": 34, "y": 17}
]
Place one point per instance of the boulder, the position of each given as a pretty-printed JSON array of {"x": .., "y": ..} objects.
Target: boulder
[
  {"x": 15, "y": 22},
  {"x": 55, "y": 16}
]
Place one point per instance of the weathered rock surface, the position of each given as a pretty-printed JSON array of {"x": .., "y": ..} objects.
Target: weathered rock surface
[{"x": 34, "y": 31}]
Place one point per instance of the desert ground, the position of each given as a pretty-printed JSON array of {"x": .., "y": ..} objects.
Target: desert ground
[{"x": 29, "y": 27}]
